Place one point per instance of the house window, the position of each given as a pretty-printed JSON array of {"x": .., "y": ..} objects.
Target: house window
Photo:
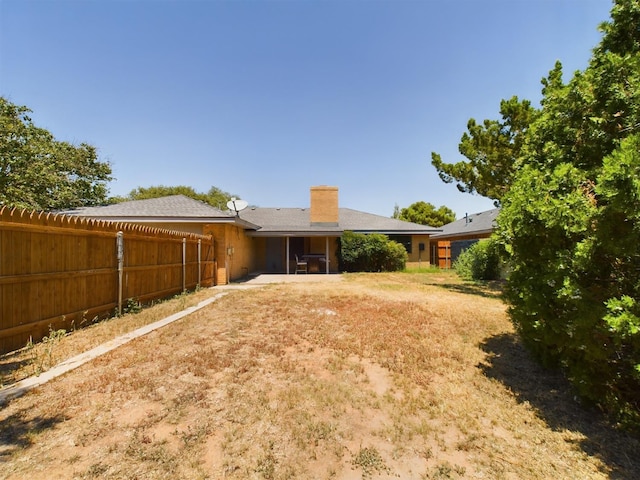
[{"x": 403, "y": 240}]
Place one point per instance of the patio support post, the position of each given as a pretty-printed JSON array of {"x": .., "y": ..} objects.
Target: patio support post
[
  {"x": 287, "y": 258},
  {"x": 327, "y": 254}
]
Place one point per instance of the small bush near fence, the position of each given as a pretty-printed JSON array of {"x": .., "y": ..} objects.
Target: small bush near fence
[
  {"x": 371, "y": 253},
  {"x": 481, "y": 261}
]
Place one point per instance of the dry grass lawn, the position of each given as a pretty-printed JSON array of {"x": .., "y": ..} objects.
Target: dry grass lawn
[{"x": 412, "y": 376}]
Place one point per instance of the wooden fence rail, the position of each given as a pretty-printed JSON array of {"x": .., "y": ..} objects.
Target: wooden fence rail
[{"x": 60, "y": 271}]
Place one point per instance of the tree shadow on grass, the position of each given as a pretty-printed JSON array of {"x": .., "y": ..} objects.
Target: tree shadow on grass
[
  {"x": 551, "y": 395},
  {"x": 10, "y": 370},
  {"x": 482, "y": 289},
  {"x": 18, "y": 431}
]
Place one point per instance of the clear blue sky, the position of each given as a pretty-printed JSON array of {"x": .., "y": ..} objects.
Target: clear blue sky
[{"x": 264, "y": 99}]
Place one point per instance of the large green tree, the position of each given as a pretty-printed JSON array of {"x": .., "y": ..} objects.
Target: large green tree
[
  {"x": 570, "y": 223},
  {"x": 492, "y": 149},
  {"x": 215, "y": 197},
  {"x": 425, "y": 213},
  {"x": 39, "y": 172}
]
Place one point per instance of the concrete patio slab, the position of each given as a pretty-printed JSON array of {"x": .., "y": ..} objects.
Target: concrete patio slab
[{"x": 269, "y": 278}]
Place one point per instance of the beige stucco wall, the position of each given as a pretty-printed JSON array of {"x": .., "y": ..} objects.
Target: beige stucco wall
[
  {"x": 234, "y": 252},
  {"x": 416, "y": 255}
]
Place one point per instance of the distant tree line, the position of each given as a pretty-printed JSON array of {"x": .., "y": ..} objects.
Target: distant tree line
[
  {"x": 425, "y": 213},
  {"x": 214, "y": 196}
]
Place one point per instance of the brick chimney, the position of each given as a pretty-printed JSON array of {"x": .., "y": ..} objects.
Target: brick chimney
[{"x": 324, "y": 205}]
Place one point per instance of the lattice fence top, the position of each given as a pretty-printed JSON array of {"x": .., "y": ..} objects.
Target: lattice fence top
[{"x": 59, "y": 220}]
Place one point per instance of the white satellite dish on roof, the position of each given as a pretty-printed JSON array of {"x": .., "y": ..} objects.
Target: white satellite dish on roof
[{"x": 236, "y": 205}]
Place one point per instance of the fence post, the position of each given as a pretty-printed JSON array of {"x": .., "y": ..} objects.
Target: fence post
[
  {"x": 184, "y": 264},
  {"x": 199, "y": 261},
  {"x": 120, "y": 254}
]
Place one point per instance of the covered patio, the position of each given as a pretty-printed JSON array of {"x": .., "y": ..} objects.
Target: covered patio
[{"x": 295, "y": 253}]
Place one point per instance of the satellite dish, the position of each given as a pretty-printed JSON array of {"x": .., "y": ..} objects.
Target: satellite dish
[{"x": 236, "y": 205}]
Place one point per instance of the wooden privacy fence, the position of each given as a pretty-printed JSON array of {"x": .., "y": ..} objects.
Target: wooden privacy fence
[
  {"x": 60, "y": 271},
  {"x": 444, "y": 254}
]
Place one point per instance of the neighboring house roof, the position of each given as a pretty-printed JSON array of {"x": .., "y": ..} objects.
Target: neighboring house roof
[
  {"x": 475, "y": 224},
  {"x": 357, "y": 221},
  {"x": 296, "y": 221},
  {"x": 171, "y": 209}
]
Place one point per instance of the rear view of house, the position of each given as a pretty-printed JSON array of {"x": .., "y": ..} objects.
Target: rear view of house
[{"x": 269, "y": 240}]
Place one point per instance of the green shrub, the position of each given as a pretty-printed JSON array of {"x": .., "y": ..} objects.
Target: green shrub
[
  {"x": 575, "y": 284},
  {"x": 570, "y": 220},
  {"x": 481, "y": 261},
  {"x": 370, "y": 253}
]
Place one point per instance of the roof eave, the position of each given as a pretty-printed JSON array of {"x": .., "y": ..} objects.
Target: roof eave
[
  {"x": 396, "y": 232},
  {"x": 296, "y": 233},
  {"x": 463, "y": 234}
]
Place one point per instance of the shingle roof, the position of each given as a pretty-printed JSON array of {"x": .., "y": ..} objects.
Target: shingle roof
[
  {"x": 297, "y": 221},
  {"x": 160, "y": 208},
  {"x": 273, "y": 220},
  {"x": 474, "y": 224},
  {"x": 263, "y": 221},
  {"x": 367, "y": 222}
]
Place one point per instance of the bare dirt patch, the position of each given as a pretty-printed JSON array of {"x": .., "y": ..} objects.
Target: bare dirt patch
[{"x": 378, "y": 376}]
